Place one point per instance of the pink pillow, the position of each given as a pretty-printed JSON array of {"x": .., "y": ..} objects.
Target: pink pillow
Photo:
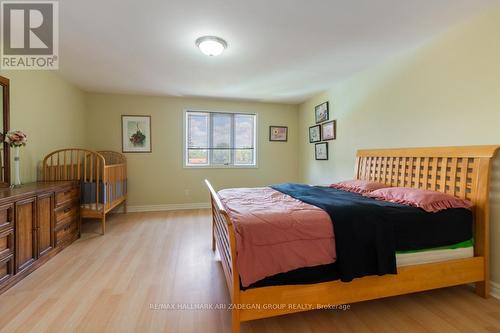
[
  {"x": 430, "y": 201},
  {"x": 358, "y": 186}
]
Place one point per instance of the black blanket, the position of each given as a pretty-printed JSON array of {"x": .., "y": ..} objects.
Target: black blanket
[{"x": 368, "y": 232}]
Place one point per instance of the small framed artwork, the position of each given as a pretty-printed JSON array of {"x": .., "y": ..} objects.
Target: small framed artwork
[
  {"x": 329, "y": 130},
  {"x": 136, "y": 134},
  {"x": 321, "y": 112},
  {"x": 315, "y": 133},
  {"x": 321, "y": 151},
  {"x": 278, "y": 133}
]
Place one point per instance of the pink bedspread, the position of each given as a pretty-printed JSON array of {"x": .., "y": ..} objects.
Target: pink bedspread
[{"x": 276, "y": 233}]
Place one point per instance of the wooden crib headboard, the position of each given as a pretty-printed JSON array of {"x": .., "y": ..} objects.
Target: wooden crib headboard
[{"x": 460, "y": 171}]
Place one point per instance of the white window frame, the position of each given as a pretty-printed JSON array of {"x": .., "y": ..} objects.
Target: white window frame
[{"x": 219, "y": 166}]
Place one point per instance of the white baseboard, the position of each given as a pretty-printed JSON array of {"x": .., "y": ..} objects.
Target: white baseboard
[
  {"x": 495, "y": 289},
  {"x": 165, "y": 207}
]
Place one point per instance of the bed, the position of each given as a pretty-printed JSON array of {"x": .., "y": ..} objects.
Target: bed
[
  {"x": 460, "y": 171},
  {"x": 102, "y": 176}
]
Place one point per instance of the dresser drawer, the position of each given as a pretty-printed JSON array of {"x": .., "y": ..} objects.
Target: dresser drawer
[
  {"x": 66, "y": 232},
  {"x": 6, "y": 243},
  {"x": 65, "y": 212},
  {"x": 62, "y": 222},
  {"x": 6, "y": 268},
  {"x": 66, "y": 196},
  {"x": 6, "y": 216}
]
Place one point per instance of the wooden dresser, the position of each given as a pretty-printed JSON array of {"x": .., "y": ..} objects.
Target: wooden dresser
[{"x": 37, "y": 221}]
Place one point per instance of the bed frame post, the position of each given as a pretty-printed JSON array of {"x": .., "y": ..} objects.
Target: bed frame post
[
  {"x": 103, "y": 224},
  {"x": 482, "y": 225},
  {"x": 235, "y": 297},
  {"x": 235, "y": 320}
]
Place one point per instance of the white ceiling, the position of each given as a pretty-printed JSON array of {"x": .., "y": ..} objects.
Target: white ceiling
[{"x": 279, "y": 50}]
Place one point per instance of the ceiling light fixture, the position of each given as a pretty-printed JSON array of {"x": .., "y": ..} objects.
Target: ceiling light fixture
[{"x": 211, "y": 45}]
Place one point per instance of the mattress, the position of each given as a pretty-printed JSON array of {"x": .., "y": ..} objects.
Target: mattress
[{"x": 427, "y": 257}]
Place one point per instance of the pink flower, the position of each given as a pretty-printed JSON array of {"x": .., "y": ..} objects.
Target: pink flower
[{"x": 16, "y": 138}]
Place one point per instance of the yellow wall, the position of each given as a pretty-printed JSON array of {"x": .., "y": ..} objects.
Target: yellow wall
[
  {"x": 445, "y": 93},
  {"x": 49, "y": 110},
  {"x": 159, "y": 178}
]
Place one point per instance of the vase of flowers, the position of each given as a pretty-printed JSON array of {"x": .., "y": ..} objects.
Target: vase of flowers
[{"x": 16, "y": 140}]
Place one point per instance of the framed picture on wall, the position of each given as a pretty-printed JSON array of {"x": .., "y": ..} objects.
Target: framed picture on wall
[
  {"x": 321, "y": 151},
  {"x": 321, "y": 112},
  {"x": 278, "y": 133},
  {"x": 329, "y": 130},
  {"x": 315, "y": 133},
  {"x": 136, "y": 134}
]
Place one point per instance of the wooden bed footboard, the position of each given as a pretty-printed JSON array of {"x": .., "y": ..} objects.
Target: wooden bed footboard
[
  {"x": 460, "y": 171},
  {"x": 224, "y": 240}
]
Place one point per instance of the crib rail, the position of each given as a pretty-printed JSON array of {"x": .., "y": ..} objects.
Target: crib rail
[
  {"x": 73, "y": 164},
  {"x": 116, "y": 184},
  {"x": 112, "y": 157}
]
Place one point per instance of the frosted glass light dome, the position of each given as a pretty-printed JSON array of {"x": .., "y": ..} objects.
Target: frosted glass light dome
[{"x": 211, "y": 45}]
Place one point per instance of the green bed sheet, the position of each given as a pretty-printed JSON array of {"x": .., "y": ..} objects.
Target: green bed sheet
[{"x": 464, "y": 244}]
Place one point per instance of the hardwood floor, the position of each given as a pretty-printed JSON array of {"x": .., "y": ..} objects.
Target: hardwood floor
[{"x": 120, "y": 282}]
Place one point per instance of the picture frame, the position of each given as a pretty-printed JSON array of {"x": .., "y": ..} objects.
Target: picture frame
[
  {"x": 329, "y": 130},
  {"x": 278, "y": 133},
  {"x": 321, "y": 112},
  {"x": 321, "y": 151},
  {"x": 136, "y": 134},
  {"x": 314, "y": 133}
]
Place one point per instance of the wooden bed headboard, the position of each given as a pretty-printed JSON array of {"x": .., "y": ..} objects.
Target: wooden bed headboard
[{"x": 460, "y": 171}]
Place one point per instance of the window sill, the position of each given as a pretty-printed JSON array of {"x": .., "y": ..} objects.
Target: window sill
[{"x": 221, "y": 167}]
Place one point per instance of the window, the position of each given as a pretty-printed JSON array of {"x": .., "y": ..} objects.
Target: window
[{"x": 220, "y": 139}]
